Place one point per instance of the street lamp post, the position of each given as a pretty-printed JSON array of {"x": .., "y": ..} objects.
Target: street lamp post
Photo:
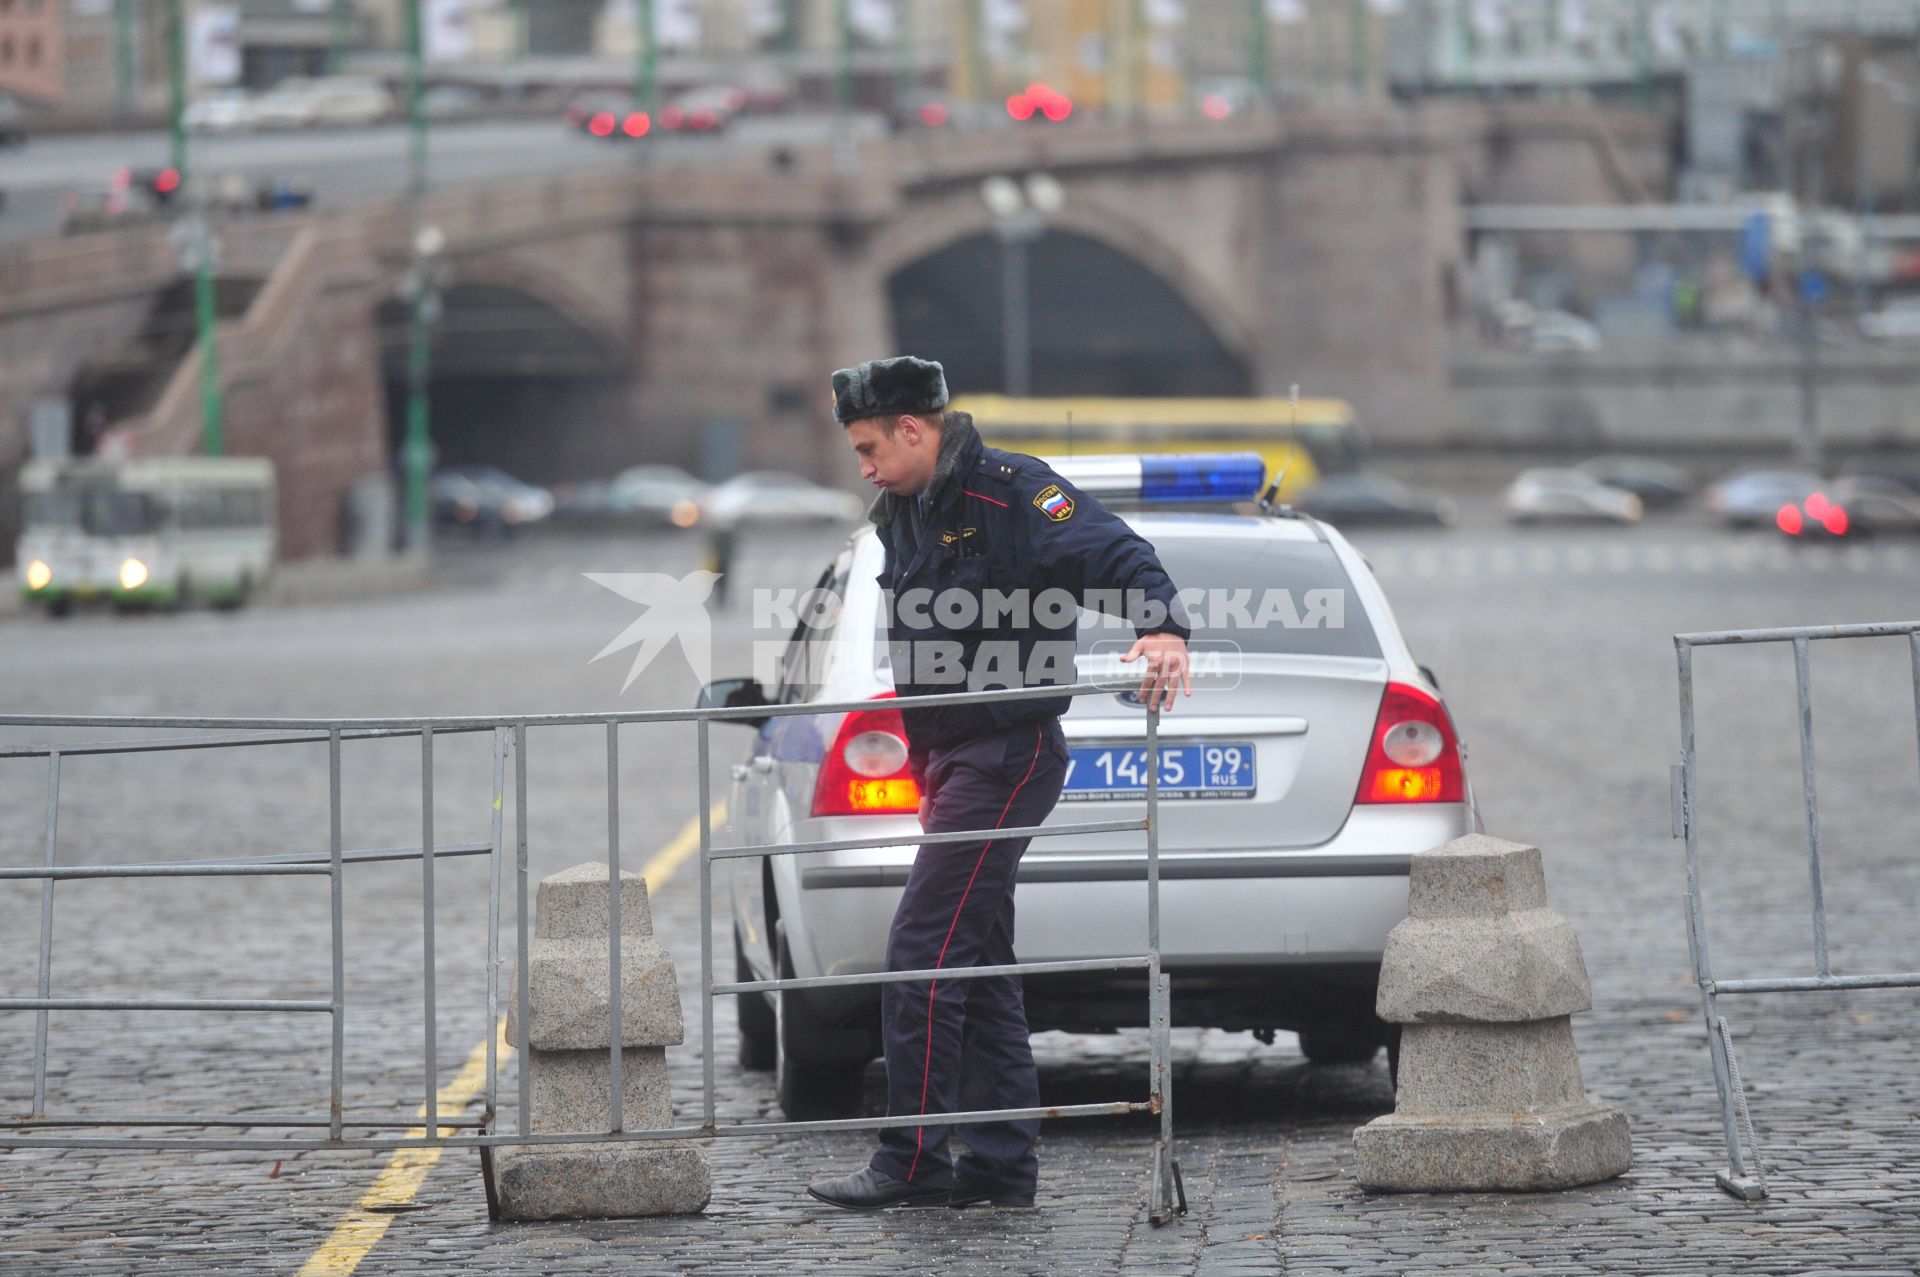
[
  {"x": 1021, "y": 211},
  {"x": 426, "y": 278},
  {"x": 422, "y": 285},
  {"x": 1259, "y": 52},
  {"x": 127, "y": 93},
  {"x": 339, "y": 30},
  {"x": 646, "y": 65},
  {"x": 196, "y": 241}
]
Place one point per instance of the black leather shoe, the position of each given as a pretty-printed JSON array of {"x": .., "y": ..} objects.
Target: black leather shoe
[
  {"x": 869, "y": 1189},
  {"x": 972, "y": 1192}
]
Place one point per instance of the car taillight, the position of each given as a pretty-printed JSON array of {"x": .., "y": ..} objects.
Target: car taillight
[
  {"x": 865, "y": 770},
  {"x": 1414, "y": 756}
]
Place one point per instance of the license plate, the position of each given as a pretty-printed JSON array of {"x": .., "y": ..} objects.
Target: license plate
[{"x": 1222, "y": 769}]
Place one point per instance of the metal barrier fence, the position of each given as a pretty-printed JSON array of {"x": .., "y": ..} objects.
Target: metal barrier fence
[
  {"x": 1745, "y": 1177},
  {"x": 1166, "y": 1196}
]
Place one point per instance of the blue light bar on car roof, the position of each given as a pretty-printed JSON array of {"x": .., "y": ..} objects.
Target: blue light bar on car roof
[{"x": 1174, "y": 476}]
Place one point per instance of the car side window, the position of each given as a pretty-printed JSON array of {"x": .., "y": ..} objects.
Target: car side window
[
  {"x": 818, "y": 649},
  {"x": 804, "y": 661}
]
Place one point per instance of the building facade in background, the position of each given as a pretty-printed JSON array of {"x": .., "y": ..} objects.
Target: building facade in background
[{"x": 32, "y": 51}]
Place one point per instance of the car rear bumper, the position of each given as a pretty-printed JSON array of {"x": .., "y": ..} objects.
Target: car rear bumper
[{"x": 1269, "y": 915}]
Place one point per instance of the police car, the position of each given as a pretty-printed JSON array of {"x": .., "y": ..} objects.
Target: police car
[{"x": 1313, "y": 760}]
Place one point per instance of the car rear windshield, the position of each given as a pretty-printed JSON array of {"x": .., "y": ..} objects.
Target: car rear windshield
[{"x": 1260, "y": 596}]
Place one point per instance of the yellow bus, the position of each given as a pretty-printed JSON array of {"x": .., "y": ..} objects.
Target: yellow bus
[{"x": 1321, "y": 440}]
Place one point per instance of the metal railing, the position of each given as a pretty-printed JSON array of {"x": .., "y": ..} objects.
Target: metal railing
[
  {"x": 1165, "y": 1194},
  {"x": 1745, "y": 1177}
]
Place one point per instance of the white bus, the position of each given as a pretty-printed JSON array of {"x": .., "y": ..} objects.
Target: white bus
[{"x": 152, "y": 531}]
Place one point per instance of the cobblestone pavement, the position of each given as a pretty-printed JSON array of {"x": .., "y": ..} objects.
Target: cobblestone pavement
[{"x": 1559, "y": 668}]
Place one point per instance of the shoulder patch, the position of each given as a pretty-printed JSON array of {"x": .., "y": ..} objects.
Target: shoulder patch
[{"x": 1053, "y": 503}]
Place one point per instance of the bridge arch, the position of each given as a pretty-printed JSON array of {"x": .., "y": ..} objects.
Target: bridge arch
[
  {"x": 1159, "y": 326},
  {"x": 522, "y": 375}
]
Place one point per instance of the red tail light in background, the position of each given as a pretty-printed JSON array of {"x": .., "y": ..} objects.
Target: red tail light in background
[
  {"x": 1835, "y": 520},
  {"x": 865, "y": 770},
  {"x": 602, "y": 124},
  {"x": 166, "y": 181},
  {"x": 1789, "y": 520},
  {"x": 1043, "y": 98},
  {"x": 933, "y": 115},
  {"x": 1414, "y": 756},
  {"x": 637, "y": 124}
]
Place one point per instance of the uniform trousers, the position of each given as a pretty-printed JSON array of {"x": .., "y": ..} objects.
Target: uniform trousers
[{"x": 955, "y": 1046}]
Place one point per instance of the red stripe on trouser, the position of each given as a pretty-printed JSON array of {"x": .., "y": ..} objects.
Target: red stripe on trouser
[{"x": 926, "y": 1067}]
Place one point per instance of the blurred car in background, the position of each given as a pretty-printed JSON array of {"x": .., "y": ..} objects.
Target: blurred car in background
[
  {"x": 1898, "y": 322},
  {"x": 222, "y": 111},
  {"x": 610, "y": 115},
  {"x": 1656, "y": 483},
  {"x": 708, "y": 109},
  {"x": 1362, "y": 498},
  {"x": 1544, "y": 332},
  {"x": 1539, "y": 496},
  {"x": 302, "y": 103},
  {"x": 664, "y": 495},
  {"x": 1904, "y": 472},
  {"x": 452, "y": 102},
  {"x": 486, "y": 499},
  {"x": 655, "y": 495},
  {"x": 774, "y": 496},
  {"x": 1556, "y": 332},
  {"x": 1852, "y": 507},
  {"x": 13, "y": 122},
  {"x": 1752, "y": 498}
]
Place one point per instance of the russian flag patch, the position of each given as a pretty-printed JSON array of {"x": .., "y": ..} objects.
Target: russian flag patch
[{"x": 1053, "y": 503}]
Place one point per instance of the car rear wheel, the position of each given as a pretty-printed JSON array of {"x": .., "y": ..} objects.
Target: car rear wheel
[
  {"x": 759, "y": 1025},
  {"x": 822, "y": 1068}
]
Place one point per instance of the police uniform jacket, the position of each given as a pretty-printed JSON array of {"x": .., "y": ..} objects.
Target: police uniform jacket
[{"x": 1000, "y": 521}]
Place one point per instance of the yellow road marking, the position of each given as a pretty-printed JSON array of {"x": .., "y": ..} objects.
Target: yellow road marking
[
  {"x": 400, "y": 1178},
  {"x": 406, "y": 1168}
]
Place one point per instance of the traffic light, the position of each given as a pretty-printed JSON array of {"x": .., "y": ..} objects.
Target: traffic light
[{"x": 162, "y": 184}]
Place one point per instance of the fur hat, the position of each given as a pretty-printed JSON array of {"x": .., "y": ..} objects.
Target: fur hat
[{"x": 884, "y": 387}]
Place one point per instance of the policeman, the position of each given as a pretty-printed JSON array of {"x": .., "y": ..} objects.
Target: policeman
[{"x": 988, "y": 556}]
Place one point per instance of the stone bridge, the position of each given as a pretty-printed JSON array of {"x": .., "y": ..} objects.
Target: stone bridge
[{"x": 605, "y": 319}]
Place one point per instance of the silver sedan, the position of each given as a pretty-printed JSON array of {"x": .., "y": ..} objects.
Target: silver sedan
[{"x": 1314, "y": 758}]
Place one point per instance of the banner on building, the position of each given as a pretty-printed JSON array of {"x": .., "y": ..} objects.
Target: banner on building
[
  {"x": 446, "y": 32},
  {"x": 676, "y": 23},
  {"x": 767, "y": 17},
  {"x": 1665, "y": 31},
  {"x": 874, "y": 19},
  {"x": 1489, "y": 19},
  {"x": 1576, "y": 21},
  {"x": 1005, "y": 20},
  {"x": 213, "y": 44},
  {"x": 1166, "y": 13}
]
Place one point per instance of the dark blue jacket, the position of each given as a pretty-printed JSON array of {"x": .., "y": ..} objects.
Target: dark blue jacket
[{"x": 999, "y": 530}]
